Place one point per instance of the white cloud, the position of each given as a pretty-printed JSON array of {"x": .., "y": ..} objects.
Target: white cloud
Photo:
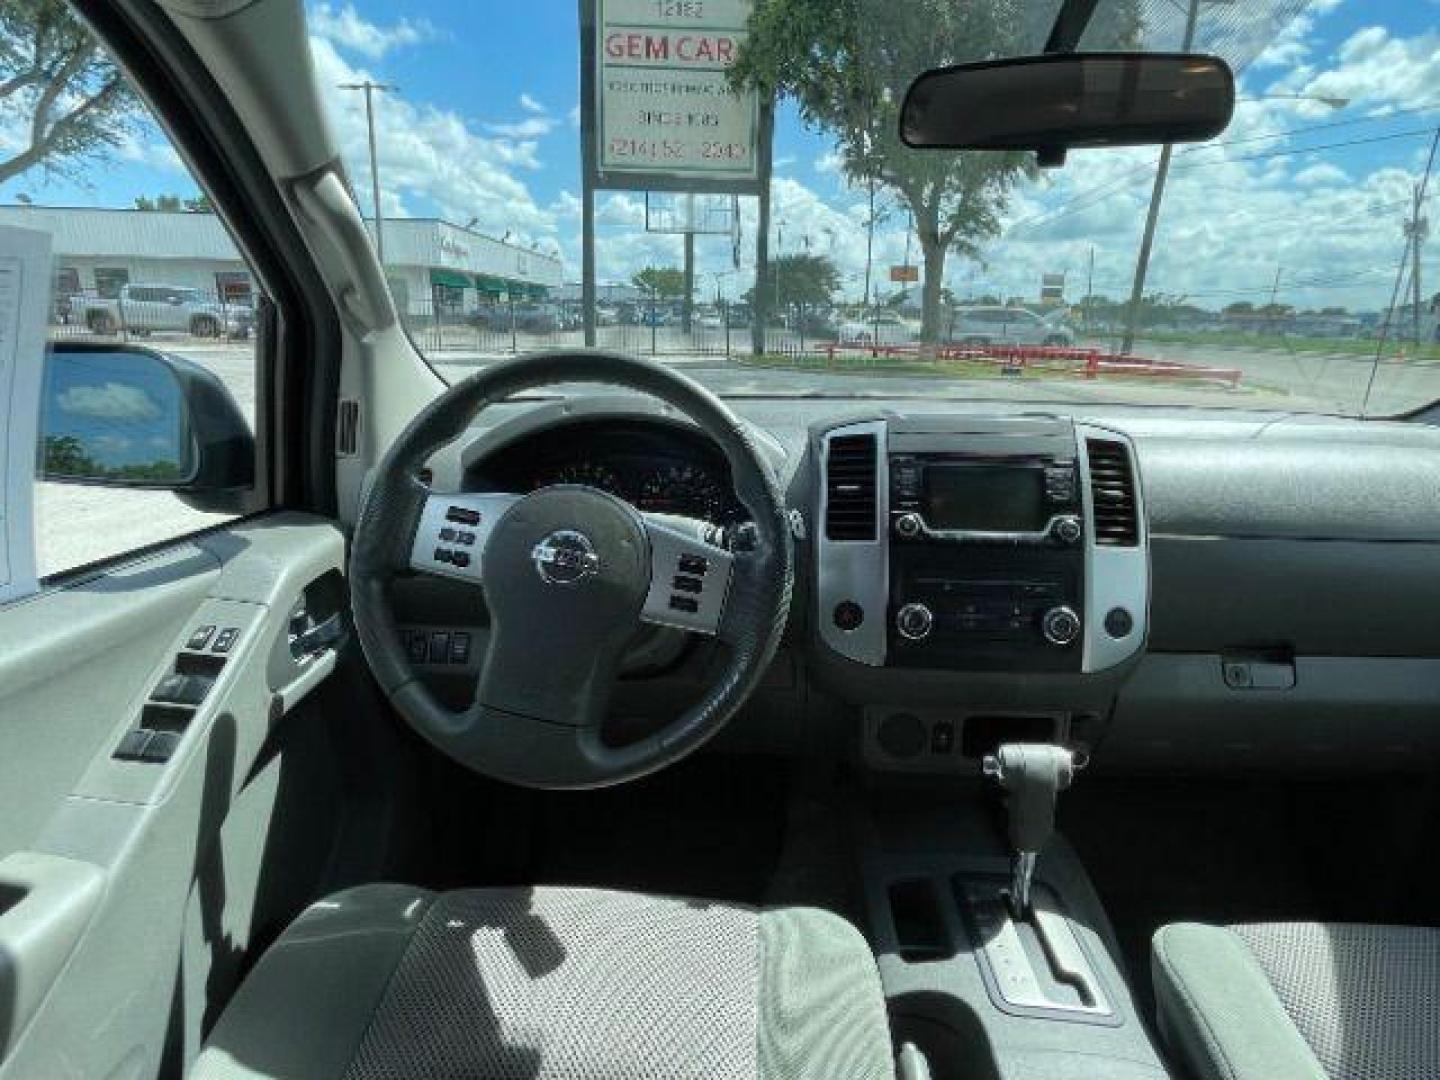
[
  {"x": 345, "y": 27},
  {"x": 110, "y": 401},
  {"x": 1379, "y": 69},
  {"x": 1323, "y": 173},
  {"x": 431, "y": 155},
  {"x": 529, "y": 104},
  {"x": 531, "y": 127}
]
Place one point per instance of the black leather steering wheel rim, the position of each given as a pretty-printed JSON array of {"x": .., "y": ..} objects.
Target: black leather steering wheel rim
[{"x": 521, "y": 749}]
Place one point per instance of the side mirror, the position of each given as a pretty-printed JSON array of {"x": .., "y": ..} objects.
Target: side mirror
[
  {"x": 1054, "y": 102},
  {"x": 126, "y": 416}
]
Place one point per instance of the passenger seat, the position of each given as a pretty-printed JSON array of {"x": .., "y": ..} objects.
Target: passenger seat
[{"x": 1286, "y": 1001}]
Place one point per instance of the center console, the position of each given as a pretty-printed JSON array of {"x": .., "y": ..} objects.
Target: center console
[{"x": 975, "y": 544}]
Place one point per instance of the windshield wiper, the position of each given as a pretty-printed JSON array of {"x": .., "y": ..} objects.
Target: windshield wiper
[{"x": 1070, "y": 23}]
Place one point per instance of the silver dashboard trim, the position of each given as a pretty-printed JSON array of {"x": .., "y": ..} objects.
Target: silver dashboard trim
[
  {"x": 857, "y": 570},
  {"x": 1114, "y": 576}
]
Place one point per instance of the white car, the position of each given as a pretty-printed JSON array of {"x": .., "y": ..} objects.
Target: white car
[
  {"x": 710, "y": 320},
  {"x": 1006, "y": 326},
  {"x": 148, "y": 308},
  {"x": 883, "y": 329}
]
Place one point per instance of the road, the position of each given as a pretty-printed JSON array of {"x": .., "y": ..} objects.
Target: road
[{"x": 78, "y": 524}]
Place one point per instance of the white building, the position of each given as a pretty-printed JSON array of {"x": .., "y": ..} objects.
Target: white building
[{"x": 431, "y": 264}]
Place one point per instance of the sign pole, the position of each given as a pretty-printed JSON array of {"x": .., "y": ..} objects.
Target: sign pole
[
  {"x": 587, "y": 170},
  {"x": 762, "y": 230}
]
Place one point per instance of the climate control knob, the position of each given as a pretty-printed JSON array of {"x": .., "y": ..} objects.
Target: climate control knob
[
  {"x": 914, "y": 621},
  {"x": 1060, "y": 625},
  {"x": 909, "y": 525},
  {"x": 1066, "y": 529}
]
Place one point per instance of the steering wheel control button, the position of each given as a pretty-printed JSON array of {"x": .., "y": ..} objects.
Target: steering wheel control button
[
  {"x": 565, "y": 557},
  {"x": 848, "y": 615},
  {"x": 225, "y": 640},
  {"x": 447, "y": 534},
  {"x": 463, "y": 515},
  {"x": 687, "y": 604},
  {"x": 683, "y": 583},
  {"x": 914, "y": 622},
  {"x": 200, "y": 638},
  {"x": 460, "y": 558},
  {"x": 464, "y": 537},
  {"x": 439, "y": 646},
  {"x": 1067, "y": 530},
  {"x": 696, "y": 565},
  {"x": 1119, "y": 622},
  {"x": 460, "y": 647},
  {"x": 1061, "y": 626}
]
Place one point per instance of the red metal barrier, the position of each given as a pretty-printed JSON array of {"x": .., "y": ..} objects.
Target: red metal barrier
[{"x": 1092, "y": 362}]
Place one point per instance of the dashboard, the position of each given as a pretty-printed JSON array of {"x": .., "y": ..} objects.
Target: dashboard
[
  {"x": 654, "y": 465},
  {"x": 1275, "y": 607}
]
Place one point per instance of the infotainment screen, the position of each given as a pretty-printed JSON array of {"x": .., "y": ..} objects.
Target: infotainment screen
[{"x": 985, "y": 498}]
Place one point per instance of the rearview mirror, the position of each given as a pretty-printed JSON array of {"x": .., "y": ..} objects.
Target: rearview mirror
[
  {"x": 1052, "y": 103},
  {"x": 132, "y": 417}
]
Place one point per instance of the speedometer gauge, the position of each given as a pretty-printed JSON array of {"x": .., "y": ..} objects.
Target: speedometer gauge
[
  {"x": 684, "y": 489},
  {"x": 590, "y": 473}
]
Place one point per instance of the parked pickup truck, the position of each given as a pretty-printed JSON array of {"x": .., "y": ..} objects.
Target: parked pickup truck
[{"x": 146, "y": 308}]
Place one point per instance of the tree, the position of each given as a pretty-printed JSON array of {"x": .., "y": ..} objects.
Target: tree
[
  {"x": 59, "y": 88},
  {"x": 169, "y": 204},
  {"x": 848, "y": 63},
  {"x": 174, "y": 204},
  {"x": 799, "y": 279},
  {"x": 665, "y": 282}
]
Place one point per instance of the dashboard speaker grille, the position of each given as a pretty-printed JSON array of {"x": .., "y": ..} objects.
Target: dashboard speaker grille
[
  {"x": 850, "y": 488},
  {"x": 1112, "y": 490}
]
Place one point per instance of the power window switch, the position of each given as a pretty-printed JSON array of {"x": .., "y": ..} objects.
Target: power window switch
[
  {"x": 132, "y": 745},
  {"x": 181, "y": 689},
  {"x": 161, "y": 746},
  {"x": 199, "y": 638},
  {"x": 225, "y": 640}
]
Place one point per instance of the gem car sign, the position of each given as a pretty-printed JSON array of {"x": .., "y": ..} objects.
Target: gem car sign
[{"x": 662, "y": 103}]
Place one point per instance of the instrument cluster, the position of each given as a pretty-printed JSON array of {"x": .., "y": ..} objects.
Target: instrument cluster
[{"x": 656, "y": 468}]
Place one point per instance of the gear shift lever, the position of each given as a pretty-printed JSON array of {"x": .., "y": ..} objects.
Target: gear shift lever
[{"x": 1033, "y": 775}]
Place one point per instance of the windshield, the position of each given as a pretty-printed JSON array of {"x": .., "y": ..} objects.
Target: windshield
[{"x": 1285, "y": 264}]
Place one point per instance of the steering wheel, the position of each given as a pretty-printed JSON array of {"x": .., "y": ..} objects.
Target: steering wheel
[{"x": 569, "y": 574}]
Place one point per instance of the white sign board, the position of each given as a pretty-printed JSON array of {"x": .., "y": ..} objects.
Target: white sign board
[
  {"x": 662, "y": 103},
  {"x": 24, "y": 294}
]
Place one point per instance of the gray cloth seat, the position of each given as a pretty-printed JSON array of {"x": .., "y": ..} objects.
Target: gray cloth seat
[
  {"x": 389, "y": 981},
  {"x": 1300, "y": 1001}
]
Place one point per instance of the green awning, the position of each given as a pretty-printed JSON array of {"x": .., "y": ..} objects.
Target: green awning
[
  {"x": 493, "y": 285},
  {"x": 539, "y": 292},
  {"x": 453, "y": 278}
]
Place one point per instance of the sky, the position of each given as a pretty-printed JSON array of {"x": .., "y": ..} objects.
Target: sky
[{"x": 484, "y": 125}]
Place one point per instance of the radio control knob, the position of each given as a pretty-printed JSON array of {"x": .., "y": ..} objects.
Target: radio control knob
[
  {"x": 1061, "y": 626},
  {"x": 1067, "y": 529},
  {"x": 909, "y": 525},
  {"x": 914, "y": 621}
]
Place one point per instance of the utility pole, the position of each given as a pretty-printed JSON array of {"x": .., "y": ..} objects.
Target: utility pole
[
  {"x": 869, "y": 242},
  {"x": 370, "y": 88},
  {"x": 1089, "y": 286},
  {"x": 1416, "y": 230},
  {"x": 1274, "y": 293},
  {"x": 1162, "y": 172}
]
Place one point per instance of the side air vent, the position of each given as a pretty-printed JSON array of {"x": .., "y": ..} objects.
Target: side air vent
[
  {"x": 850, "y": 488},
  {"x": 1112, "y": 490},
  {"x": 347, "y": 427}
]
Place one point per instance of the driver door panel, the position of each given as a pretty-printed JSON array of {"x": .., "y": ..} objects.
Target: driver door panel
[{"x": 164, "y": 870}]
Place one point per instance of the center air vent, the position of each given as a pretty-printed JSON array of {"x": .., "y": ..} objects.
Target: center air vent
[
  {"x": 1112, "y": 491},
  {"x": 850, "y": 488}
]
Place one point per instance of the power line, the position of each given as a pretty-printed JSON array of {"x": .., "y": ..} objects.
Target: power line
[{"x": 1065, "y": 209}]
